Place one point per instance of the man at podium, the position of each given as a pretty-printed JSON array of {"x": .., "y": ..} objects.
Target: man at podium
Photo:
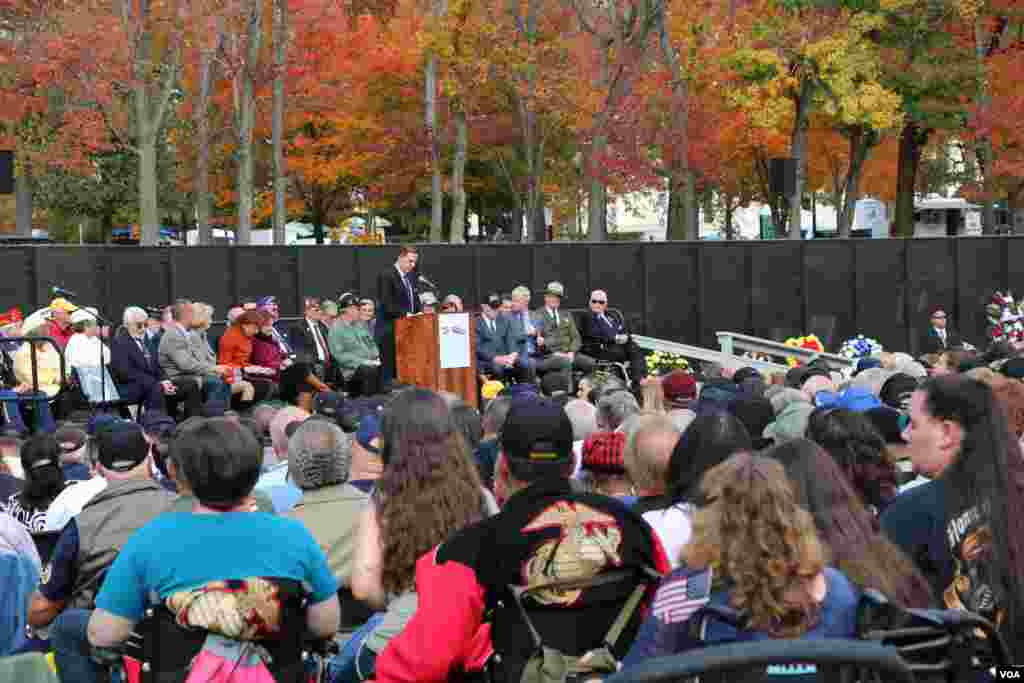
[{"x": 396, "y": 292}]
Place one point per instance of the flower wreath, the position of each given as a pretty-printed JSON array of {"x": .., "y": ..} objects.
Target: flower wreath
[
  {"x": 860, "y": 347},
  {"x": 809, "y": 341}
]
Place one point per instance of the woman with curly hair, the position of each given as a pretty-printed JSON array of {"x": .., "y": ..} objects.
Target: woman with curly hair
[
  {"x": 849, "y": 531},
  {"x": 429, "y": 490},
  {"x": 755, "y": 550},
  {"x": 855, "y": 444}
]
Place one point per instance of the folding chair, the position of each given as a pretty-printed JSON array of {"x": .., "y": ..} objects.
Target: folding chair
[
  {"x": 825, "y": 659},
  {"x": 100, "y": 392}
]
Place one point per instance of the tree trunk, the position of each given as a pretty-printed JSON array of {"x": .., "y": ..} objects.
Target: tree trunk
[
  {"x": 516, "y": 232},
  {"x": 458, "y": 225},
  {"x": 247, "y": 123},
  {"x": 676, "y": 221},
  {"x": 149, "y": 208},
  {"x": 597, "y": 194},
  {"x": 861, "y": 142},
  {"x": 280, "y": 37},
  {"x": 730, "y": 232},
  {"x": 204, "y": 202},
  {"x": 912, "y": 139},
  {"x": 23, "y": 199},
  {"x": 799, "y": 151},
  {"x": 691, "y": 207},
  {"x": 436, "y": 196}
]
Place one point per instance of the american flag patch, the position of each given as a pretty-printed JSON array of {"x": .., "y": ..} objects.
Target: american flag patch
[{"x": 680, "y": 596}]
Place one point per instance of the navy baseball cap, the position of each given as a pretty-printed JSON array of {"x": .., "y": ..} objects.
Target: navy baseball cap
[
  {"x": 537, "y": 431},
  {"x": 122, "y": 446}
]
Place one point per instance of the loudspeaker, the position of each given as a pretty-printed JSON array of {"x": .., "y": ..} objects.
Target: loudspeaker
[
  {"x": 782, "y": 177},
  {"x": 6, "y": 172}
]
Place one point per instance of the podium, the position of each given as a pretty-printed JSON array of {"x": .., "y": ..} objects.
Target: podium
[{"x": 438, "y": 352}]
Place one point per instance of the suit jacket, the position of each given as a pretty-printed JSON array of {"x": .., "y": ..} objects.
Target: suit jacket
[
  {"x": 560, "y": 338},
  {"x": 518, "y": 339},
  {"x": 133, "y": 373},
  {"x": 598, "y": 335},
  {"x": 930, "y": 342},
  {"x": 498, "y": 343},
  {"x": 303, "y": 344},
  {"x": 179, "y": 355},
  {"x": 394, "y": 297}
]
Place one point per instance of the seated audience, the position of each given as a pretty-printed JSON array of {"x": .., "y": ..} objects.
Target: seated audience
[
  {"x": 963, "y": 528},
  {"x": 354, "y": 350},
  {"x": 429, "y": 490},
  {"x": 298, "y": 380},
  {"x": 708, "y": 441},
  {"x": 59, "y": 326},
  {"x": 755, "y": 412},
  {"x": 486, "y": 453},
  {"x": 183, "y": 559},
  {"x": 275, "y": 481},
  {"x": 236, "y": 355},
  {"x": 74, "y": 461},
  {"x": 44, "y": 480},
  {"x": 792, "y": 412},
  {"x": 47, "y": 375},
  {"x": 604, "y": 468},
  {"x": 649, "y": 447},
  {"x": 330, "y": 507},
  {"x": 859, "y": 450},
  {"x": 90, "y": 542},
  {"x": 136, "y": 370},
  {"x": 559, "y": 340},
  {"x": 680, "y": 389},
  {"x": 182, "y": 356},
  {"x": 497, "y": 349},
  {"x": 754, "y": 549},
  {"x": 847, "y": 528},
  {"x": 520, "y": 546},
  {"x": 614, "y": 408}
]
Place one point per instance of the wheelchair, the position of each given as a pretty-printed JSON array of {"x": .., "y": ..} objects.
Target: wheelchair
[{"x": 161, "y": 651}]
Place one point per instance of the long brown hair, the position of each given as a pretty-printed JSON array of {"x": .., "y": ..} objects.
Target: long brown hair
[
  {"x": 753, "y": 532},
  {"x": 429, "y": 488},
  {"x": 849, "y": 531}
]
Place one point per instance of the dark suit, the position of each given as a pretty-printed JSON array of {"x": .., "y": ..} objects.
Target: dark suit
[
  {"x": 394, "y": 303},
  {"x": 304, "y": 345},
  {"x": 138, "y": 377},
  {"x": 599, "y": 343},
  {"x": 931, "y": 342},
  {"x": 501, "y": 342}
]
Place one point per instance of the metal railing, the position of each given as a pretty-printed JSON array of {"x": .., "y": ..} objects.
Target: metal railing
[
  {"x": 731, "y": 342},
  {"x": 726, "y": 360}
]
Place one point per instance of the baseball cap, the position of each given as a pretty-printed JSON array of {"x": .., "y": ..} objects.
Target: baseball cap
[
  {"x": 348, "y": 299},
  {"x": 897, "y": 390},
  {"x": 61, "y": 304},
  {"x": 537, "y": 431},
  {"x": 70, "y": 439},
  {"x": 157, "y": 423},
  {"x": 1013, "y": 368},
  {"x": 368, "y": 435},
  {"x": 121, "y": 446},
  {"x": 679, "y": 385},
  {"x": 555, "y": 289}
]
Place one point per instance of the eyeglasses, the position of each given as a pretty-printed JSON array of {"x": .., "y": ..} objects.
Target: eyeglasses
[{"x": 598, "y": 301}]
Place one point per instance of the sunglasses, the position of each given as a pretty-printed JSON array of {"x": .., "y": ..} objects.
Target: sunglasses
[{"x": 598, "y": 301}]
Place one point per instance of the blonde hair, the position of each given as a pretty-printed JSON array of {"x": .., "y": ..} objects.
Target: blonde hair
[
  {"x": 753, "y": 532},
  {"x": 202, "y": 315}
]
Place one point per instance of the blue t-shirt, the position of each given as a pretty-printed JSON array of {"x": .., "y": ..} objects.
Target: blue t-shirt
[
  {"x": 181, "y": 551},
  {"x": 682, "y": 593}
]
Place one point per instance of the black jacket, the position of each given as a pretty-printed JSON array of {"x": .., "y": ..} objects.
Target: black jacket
[
  {"x": 598, "y": 336},
  {"x": 300, "y": 338},
  {"x": 930, "y": 342},
  {"x": 129, "y": 368},
  {"x": 394, "y": 297},
  {"x": 489, "y": 345}
]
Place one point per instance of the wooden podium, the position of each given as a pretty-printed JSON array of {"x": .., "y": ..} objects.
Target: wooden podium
[{"x": 425, "y": 344}]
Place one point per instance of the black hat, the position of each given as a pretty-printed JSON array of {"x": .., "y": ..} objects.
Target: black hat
[
  {"x": 897, "y": 389},
  {"x": 158, "y": 423},
  {"x": 348, "y": 299},
  {"x": 122, "y": 446},
  {"x": 537, "y": 431},
  {"x": 70, "y": 439},
  {"x": 492, "y": 300},
  {"x": 745, "y": 373}
]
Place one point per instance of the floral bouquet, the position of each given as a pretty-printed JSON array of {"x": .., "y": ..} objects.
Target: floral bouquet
[
  {"x": 662, "y": 362},
  {"x": 809, "y": 341},
  {"x": 860, "y": 347}
]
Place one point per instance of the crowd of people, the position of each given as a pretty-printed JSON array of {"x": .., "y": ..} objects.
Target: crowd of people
[{"x": 278, "y": 490}]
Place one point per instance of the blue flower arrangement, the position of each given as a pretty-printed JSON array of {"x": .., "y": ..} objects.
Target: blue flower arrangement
[{"x": 860, "y": 347}]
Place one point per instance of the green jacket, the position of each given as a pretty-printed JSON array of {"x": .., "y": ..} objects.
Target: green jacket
[
  {"x": 560, "y": 338},
  {"x": 351, "y": 345}
]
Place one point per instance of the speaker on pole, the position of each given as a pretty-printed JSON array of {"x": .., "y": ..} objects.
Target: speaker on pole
[
  {"x": 782, "y": 176},
  {"x": 6, "y": 172}
]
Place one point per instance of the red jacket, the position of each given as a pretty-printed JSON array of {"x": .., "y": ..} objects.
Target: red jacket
[
  {"x": 544, "y": 533},
  {"x": 235, "y": 348}
]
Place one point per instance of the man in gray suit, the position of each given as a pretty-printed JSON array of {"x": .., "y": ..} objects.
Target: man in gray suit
[
  {"x": 181, "y": 356},
  {"x": 496, "y": 354}
]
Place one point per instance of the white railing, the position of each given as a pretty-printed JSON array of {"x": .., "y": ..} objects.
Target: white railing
[
  {"x": 734, "y": 342},
  {"x": 726, "y": 360}
]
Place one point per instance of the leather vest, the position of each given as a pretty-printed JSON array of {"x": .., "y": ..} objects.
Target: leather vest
[{"x": 104, "y": 526}]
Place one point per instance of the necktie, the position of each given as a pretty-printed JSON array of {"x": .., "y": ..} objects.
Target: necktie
[
  {"x": 319, "y": 341},
  {"x": 554, "y": 314},
  {"x": 145, "y": 351},
  {"x": 408, "y": 290}
]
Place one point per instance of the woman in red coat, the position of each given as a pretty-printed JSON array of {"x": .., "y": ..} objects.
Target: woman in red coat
[
  {"x": 297, "y": 382},
  {"x": 236, "y": 352}
]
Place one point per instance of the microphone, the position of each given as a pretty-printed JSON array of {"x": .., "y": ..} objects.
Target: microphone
[
  {"x": 60, "y": 291},
  {"x": 426, "y": 281}
]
